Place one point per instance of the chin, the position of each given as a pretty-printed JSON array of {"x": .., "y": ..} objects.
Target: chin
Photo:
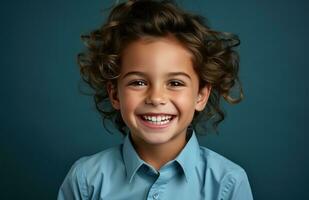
[{"x": 157, "y": 139}]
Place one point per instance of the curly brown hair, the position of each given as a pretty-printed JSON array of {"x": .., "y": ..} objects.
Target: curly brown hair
[{"x": 214, "y": 57}]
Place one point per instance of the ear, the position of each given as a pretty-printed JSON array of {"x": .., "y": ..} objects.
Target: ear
[
  {"x": 202, "y": 97},
  {"x": 113, "y": 95}
]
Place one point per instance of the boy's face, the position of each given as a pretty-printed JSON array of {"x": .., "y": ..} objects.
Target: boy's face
[{"x": 158, "y": 91}]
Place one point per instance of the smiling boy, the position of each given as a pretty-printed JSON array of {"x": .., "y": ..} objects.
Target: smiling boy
[
  {"x": 157, "y": 94},
  {"x": 161, "y": 69}
]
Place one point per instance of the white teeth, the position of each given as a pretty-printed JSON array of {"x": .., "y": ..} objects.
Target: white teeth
[{"x": 161, "y": 119}]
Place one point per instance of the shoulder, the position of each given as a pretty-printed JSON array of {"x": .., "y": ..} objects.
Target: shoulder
[
  {"x": 99, "y": 163},
  {"x": 112, "y": 154},
  {"x": 89, "y": 169},
  {"x": 217, "y": 163},
  {"x": 230, "y": 177}
]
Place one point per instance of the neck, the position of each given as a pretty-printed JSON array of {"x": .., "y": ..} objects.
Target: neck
[{"x": 159, "y": 154}]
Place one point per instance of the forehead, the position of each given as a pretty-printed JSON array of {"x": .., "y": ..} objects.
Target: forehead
[{"x": 156, "y": 54}]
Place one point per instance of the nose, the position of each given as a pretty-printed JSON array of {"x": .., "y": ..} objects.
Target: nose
[{"x": 156, "y": 96}]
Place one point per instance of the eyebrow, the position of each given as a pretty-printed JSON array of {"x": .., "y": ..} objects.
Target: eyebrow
[{"x": 138, "y": 73}]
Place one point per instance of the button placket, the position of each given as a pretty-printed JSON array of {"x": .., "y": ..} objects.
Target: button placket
[{"x": 164, "y": 176}]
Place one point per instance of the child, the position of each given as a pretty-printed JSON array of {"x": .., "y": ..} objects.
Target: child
[{"x": 161, "y": 71}]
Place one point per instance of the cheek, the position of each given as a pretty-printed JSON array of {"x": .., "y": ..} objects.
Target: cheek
[
  {"x": 128, "y": 101},
  {"x": 185, "y": 100}
]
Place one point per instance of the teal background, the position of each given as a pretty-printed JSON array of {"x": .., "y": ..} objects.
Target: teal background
[{"x": 46, "y": 124}]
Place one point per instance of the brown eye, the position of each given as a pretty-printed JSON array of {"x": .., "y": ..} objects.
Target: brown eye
[
  {"x": 138, "y": 83},
  {"x": 176, "y": 83}
]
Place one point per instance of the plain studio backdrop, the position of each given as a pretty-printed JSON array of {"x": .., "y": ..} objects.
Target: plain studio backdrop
[{"x": 46, "y": 124}]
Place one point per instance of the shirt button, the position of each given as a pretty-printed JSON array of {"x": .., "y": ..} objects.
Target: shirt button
[{"x": 155, "y": 196}]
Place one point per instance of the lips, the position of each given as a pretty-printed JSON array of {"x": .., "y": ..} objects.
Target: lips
[{"x": 156, "y": 120}]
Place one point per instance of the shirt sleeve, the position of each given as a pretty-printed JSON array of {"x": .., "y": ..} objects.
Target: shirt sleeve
[
  {"x": 236, "y": 187},
  {"x": 73, "y": 186}
]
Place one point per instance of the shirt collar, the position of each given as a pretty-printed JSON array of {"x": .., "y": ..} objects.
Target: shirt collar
[
  {"x": 187, "y": 158},
  {"x": 131, "y": 159}
]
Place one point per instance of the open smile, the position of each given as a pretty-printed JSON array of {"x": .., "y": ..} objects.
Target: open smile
[{"x": 156, "y": 121}]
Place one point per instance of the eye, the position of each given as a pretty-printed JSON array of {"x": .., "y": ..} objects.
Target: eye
[
  {"x": 137, "y": 83},
  {"x": 176, "y": 83}
]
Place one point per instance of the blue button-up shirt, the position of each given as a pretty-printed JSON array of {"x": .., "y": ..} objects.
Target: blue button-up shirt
[{"x": 119, "y": 173}]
